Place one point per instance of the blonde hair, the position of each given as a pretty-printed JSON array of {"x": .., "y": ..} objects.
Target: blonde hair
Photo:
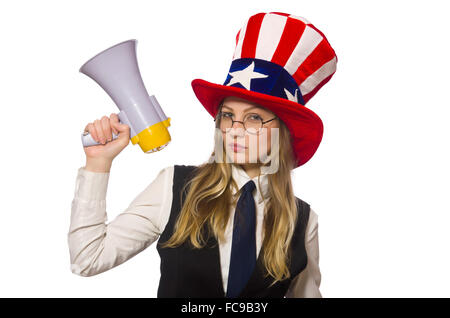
[{"x": 209, "y": 200}]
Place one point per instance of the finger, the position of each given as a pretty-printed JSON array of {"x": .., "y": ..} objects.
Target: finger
[
  {"x": 106, "y": 126},
  {"x": 99, "y": 130},
  {"x": 91, "y": 129},
  {"x": 114, "y": 120},
  {"x": 121, "y": 127},
  {"x": 114, "y": 129}
]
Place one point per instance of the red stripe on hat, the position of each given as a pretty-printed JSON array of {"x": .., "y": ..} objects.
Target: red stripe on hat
[
  {"x": 323, "y": 35},
  {"x": 281, "y": 13},
  {"x": 251, "y": 35},
  {"x": 318, "y": 57},
  {"x": 292, "y": 33},
  {"x": 237, "y": 37}
]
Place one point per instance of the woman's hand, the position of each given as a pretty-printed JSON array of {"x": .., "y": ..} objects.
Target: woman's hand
[{"x": 101, "y": 131}]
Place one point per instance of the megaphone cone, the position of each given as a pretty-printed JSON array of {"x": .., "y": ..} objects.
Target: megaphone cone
[{"x": 116, "y": 71}]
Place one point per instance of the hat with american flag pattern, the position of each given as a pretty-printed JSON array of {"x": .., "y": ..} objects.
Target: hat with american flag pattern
[{"x": 280, "y": 61}]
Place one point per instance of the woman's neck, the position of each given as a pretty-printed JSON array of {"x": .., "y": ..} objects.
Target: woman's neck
[{"x": 251, "y": 169}]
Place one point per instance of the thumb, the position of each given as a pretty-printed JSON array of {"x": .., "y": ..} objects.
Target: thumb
[{"x": 121, "y": 128}]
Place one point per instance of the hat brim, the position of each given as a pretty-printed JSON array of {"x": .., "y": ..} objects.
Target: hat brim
[{"x": 305, "y": 126}]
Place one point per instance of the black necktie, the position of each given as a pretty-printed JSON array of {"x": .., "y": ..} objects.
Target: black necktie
[{"x": 243, "y": 248}]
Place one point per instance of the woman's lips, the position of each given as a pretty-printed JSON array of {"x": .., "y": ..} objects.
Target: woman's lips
[{"x": 237, "y": 147}]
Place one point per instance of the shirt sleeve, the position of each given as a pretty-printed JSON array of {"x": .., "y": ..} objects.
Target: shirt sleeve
[
  {"x": 306, "y": 284},
  {"x": 96, "y": 246}
]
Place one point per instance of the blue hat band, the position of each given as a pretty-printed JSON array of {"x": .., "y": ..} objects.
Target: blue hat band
[{"x": 263, "y": 77}]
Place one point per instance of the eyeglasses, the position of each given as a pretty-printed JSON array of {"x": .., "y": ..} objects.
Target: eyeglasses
[{"x": 253, "y": 123}]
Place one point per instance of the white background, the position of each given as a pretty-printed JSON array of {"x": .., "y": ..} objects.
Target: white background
[{"x": 379, "y": 180}]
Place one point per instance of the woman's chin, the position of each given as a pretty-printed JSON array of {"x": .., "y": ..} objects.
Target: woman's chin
[{"x": 241, "y": 158}]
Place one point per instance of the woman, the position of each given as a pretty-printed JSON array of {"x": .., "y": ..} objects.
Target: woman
[{"x": 231, "y": 227}]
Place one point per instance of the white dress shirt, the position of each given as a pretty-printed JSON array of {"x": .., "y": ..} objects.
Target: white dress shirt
[{"x": 96, "y": 246}]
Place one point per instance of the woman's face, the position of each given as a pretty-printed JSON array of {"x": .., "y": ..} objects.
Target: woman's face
[{"x": 247, "y": 146}]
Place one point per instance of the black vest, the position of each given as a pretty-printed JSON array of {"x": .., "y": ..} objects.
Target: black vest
[{"x": 188, "y": 272}]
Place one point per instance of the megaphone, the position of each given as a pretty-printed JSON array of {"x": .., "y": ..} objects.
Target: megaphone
[{"x": 116, "y": 71}]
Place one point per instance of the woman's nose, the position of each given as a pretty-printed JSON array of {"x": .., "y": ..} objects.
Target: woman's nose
[{"x": 236, "y": 131}]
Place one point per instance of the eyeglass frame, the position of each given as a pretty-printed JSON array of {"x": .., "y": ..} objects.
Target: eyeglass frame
[{"x": 262, "y": 123}]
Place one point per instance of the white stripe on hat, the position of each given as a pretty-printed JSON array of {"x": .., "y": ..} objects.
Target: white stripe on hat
[
  {"x": 269, "y": 35},
  {"x": 307, "y": 43},
  {"x": 238, "y": 49},
  {"x": 318, "y": 76}
]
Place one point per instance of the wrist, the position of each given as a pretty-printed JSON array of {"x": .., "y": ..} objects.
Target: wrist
[{"x": 98, "y": 164}]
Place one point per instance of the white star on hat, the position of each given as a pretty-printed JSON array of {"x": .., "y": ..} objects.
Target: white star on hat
[
  {"x": 290, "y": 96},
  {"x": 245, "y": 76}
]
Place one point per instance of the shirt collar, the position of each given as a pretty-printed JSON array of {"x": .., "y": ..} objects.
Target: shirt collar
[{"x": 241, "y": 177}]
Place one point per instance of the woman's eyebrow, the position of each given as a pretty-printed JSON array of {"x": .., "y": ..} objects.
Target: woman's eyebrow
[{"x": 246, "y": 110}]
